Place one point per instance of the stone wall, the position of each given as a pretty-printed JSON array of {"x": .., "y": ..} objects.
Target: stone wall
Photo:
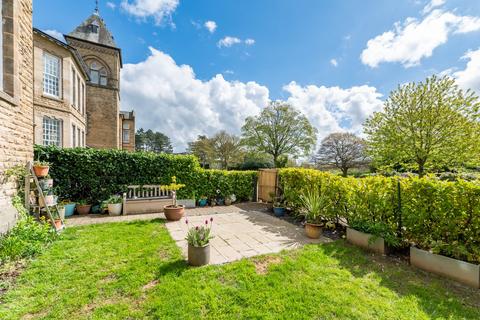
[{"x": 16, "y": 101}]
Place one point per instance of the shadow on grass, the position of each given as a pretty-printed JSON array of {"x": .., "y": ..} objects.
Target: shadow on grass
[
  {"x": 433, "y": 293},
  {"x": 175, "y": 268}
]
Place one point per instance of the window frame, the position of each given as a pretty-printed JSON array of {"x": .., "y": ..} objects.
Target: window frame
[
  {"x": 47, "y": 55},
  {"x": 50, "y": 124}
]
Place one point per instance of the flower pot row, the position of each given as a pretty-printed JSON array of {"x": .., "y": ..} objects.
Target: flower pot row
[{"x": 461, "y": 271}]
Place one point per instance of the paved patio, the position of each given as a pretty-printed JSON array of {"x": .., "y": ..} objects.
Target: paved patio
[
  {"x": 243, "y": 234},
  {"x": 240, "y": 231}
]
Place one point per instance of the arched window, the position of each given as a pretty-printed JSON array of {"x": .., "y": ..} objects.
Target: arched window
[{"x": 98, "y": 73}]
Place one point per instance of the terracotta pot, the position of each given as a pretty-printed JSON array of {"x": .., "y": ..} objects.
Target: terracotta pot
[
  {"x": 83, "y": 209},
  {"x": 174, "y": 213},
  {"x": 198, "y": 256},
  {"x": 114, "y": 209},
  {"x": 41, "y": 171},
  {"x": 313, "y": 231},
  {"x": 58, "y": 224}
]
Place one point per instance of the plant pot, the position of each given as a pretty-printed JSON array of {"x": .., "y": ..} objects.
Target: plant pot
[
  {"x": 228, "y": 202},
  {"x": 220, "y": 202},
  {"x": 49, "y": 200},
  {"x": 69, "y": 209},
  {"x": 366, "y": 241},
  {"x": 202, "y": 202},
  {"x": 41, "y": 171},
  {"x": 61, "y": 213},
  {"x": 461, "y": 271},
  {"x": 313, "y": 231},
  {"x": 114, "y": 209},
  {"x": 96, "y": 209},
  {"x": 279, "y": 211},
  {"x": 83, "y": 209},
  {"x": 46, "y": 184},
  {"x": 198, "y": 256},
  {"x": 173, "y": 213},
  {"x": 58, "y": 224}
]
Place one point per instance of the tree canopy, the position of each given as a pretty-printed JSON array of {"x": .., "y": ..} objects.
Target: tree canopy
[
  {"x": 425, "y": 126},
  {"x": 342, "y": 150},
  {"x": 279, "y": 130},
  {"x": 152, "y": 141}
]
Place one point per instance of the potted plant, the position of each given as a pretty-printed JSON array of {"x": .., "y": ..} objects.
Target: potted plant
[
  {"x": 230, "y": 199},
  {"x": 198, "y": 239},
  {"x": 203, "y": 201},
  {"x": 46, "y": 183},
  {"x": 220, "y": 200},
  {"x": 212, "y": 202},
  {"x": 278, "y": 207},
  {"x": 114, "y": 204},
  {"x": 61, "y": 211},
  {"x": 83, "y": 208},
  {"x": 313, "y": 204},
  {"x": 57, "y": 219},
  {"x": 40, "y": 168},
  {"x": 69, "y": 207},
  {"x": 173, "y": 212}
]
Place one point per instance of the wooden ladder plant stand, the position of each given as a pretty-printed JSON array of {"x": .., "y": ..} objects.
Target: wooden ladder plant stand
[{"x": 32, "y": 176}]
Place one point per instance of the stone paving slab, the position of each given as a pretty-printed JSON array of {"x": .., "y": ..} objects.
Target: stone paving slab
[{"x": 243, "y": 234}]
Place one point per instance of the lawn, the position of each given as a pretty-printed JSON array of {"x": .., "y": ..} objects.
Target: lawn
[{"x": 135, "y": 271}]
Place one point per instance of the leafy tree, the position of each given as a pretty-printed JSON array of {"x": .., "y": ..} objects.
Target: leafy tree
[
  {"x": 202, "y": 148},
  {"x": 152, "y": 141},
  {"x": 430, "y": 125},
  {"x": 342, "y": 150},
  {"x": 226, "y": 149},
  {"x": 279, "y": 131}
]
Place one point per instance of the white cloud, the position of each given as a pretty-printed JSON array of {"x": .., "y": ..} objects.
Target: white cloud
[
  {"x": 169, "y": 98},
  {"x": 333, "y": 109},
  {"x": 228, "y": 42},
  {"x": 410, "y": 42},
  {"x": 159, "y": 10},
  {"x": 111, "y": 5},
  {"x": 432, "y": 5},
  {"x": 249, "y": 42},
  {"x": 334, "y": 62},
  {"x": 56, "y": 34},
  {"x": 469, "y": 78},
  {"x": 228, "y": 71},
  {"x": 211, "y": 26}
]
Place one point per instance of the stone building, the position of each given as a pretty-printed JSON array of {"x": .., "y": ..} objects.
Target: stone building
[
  {"x": 103, "y": 59},
  {"x": 127, "y": 134},
  {"x": 16, "y": 98},
  {"x": 60, "y": 78}
]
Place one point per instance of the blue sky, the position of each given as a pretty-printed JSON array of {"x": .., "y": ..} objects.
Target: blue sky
[{"x": 334, "y": 60}]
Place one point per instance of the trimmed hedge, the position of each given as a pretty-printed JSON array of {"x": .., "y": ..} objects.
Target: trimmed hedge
[
  {"x": 442, "y": 216},
  {"x": 95, "y": 175}
]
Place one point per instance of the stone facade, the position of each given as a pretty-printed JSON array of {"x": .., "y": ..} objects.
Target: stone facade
[
  {"x": 68, "y": 108},
  {"x": 95, "y": 44},
  {"x": 16, "y": 100},
  {"x": 127, "y": 128}
]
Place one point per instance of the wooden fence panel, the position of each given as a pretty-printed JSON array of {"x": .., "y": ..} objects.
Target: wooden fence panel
[{"x": 267, "y": 183}]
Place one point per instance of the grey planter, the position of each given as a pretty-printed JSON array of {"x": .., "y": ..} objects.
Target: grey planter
[
  {"x": 363, "y": 240},
  {"x": 461, "y": 271},
  {"x": 188, "y": 203},
  {"x": 198, "y": 256}
]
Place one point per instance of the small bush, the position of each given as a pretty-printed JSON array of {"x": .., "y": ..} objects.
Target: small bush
[{"x": 27, "y": 238}]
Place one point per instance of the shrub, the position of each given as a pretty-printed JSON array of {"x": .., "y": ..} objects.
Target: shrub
[
  {"x": 442, "y": 216},
  {"x": 27, "y": 238},
  {"x": 95, "y": 175}
]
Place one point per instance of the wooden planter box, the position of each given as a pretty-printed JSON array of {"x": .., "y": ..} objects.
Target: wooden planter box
[
  {"x": 363, "y": 240},
  {"x": 461, "y": 271}
]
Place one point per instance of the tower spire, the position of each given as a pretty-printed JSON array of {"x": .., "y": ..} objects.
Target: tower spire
[{"x": 96, "y": 7}]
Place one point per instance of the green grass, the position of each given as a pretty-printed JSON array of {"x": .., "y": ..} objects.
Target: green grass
[{"x": 135, "y": 271}]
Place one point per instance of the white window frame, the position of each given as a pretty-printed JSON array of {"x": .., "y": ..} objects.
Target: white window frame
[
  {"x": 52, "y": 131},
  {"x": 126, "y": 134},
  {"x": 50, "y": 90}
]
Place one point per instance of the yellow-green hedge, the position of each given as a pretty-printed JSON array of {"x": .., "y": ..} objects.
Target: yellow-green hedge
[{"x": 443, "y": 216}]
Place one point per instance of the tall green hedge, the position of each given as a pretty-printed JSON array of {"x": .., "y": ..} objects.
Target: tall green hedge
[
  {"x": 94, "y": 175},
  {"x": 442, "y": 216}
]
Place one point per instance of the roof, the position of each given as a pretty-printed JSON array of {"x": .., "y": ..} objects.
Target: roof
[
  {"x": 85, "y": 32},
  {"x": 128, "y": 115},
  {"x": 76, "y": 55}
]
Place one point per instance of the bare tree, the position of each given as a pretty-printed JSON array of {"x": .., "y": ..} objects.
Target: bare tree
[{"x": 342, "y": 150}]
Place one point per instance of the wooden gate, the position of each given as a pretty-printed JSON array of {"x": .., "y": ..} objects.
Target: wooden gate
[{"x": 267, "y": 184}]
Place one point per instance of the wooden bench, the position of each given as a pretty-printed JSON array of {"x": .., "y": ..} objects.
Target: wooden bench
[{"x": 145, "y": 199}]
